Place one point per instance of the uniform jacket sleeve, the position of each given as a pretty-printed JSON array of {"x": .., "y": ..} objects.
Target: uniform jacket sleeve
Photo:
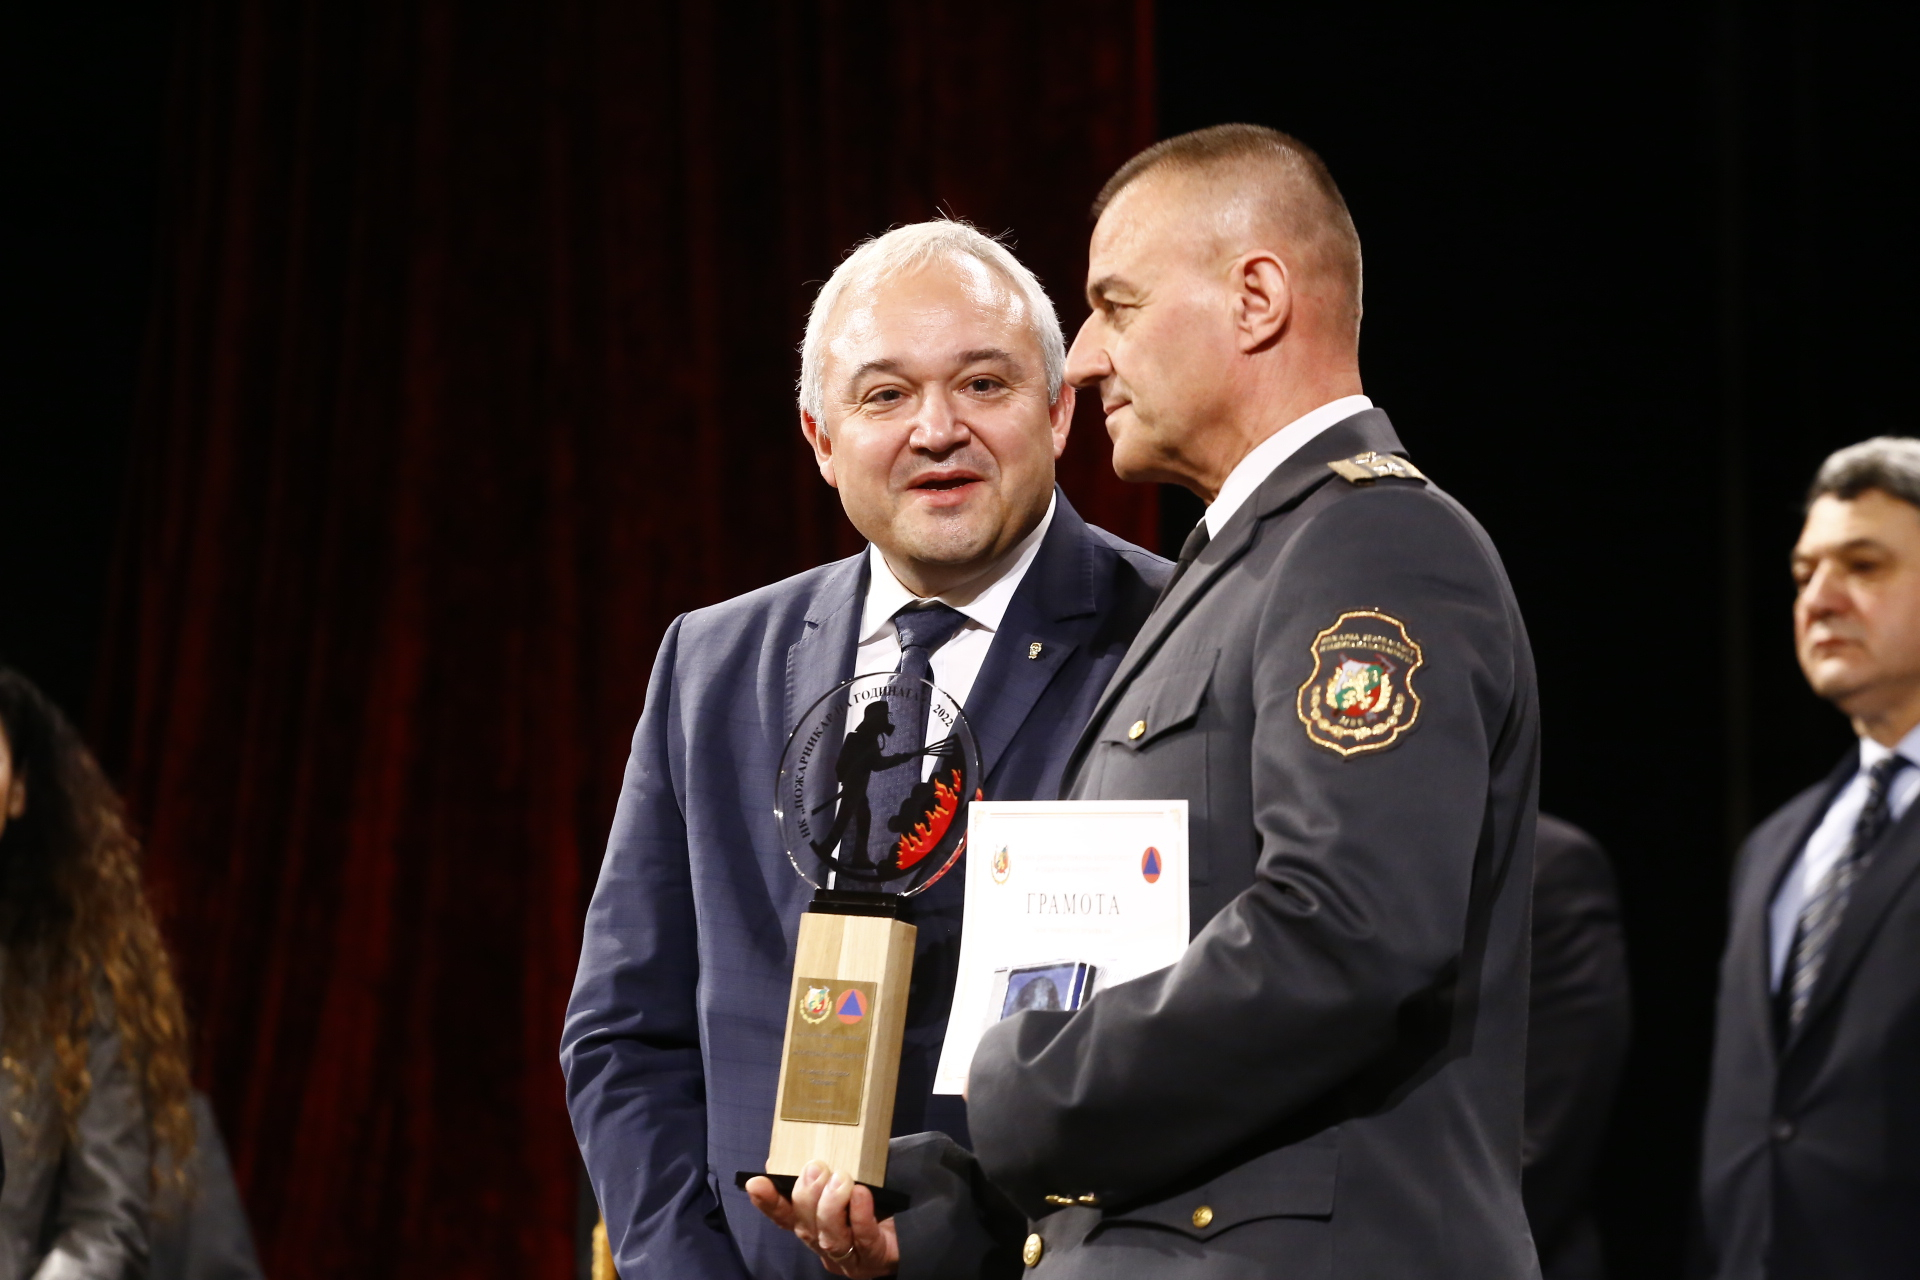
[
  {"x": 1352, "y": 934},
  {"x": 631, "y": 1047},
  {"x": 960, "y": 1227}
]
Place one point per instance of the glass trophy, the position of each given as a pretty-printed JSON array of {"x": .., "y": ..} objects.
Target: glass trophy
[{"x": 871, "y": 801}]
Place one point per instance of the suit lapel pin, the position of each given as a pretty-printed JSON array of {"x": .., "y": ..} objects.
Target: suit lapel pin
[{"x": 1033, "y": 650}]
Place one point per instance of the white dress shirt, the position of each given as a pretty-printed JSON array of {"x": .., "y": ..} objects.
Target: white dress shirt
[
  {"x": 1260, "y": 462},
  {"x": 956, "y": 664},
  {"x": 1829, "y": 841}
]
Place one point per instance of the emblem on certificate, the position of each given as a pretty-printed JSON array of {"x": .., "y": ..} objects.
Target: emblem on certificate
[{"x": 871, "y": 800}]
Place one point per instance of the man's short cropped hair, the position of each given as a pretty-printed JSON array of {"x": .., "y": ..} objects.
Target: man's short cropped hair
[
  {"x": 1301, "y": 197},
  {"x": 1890, "y": 464},
  {"x": 907, "y": 249}
]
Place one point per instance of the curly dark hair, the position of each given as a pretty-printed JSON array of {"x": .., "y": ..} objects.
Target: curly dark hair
[{"x": 74, "y": 921}]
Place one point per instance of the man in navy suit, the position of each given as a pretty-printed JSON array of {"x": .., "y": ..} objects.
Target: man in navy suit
[
  {"x": 932, "y": 393},
  {"x": 1812, "y": 1162}
]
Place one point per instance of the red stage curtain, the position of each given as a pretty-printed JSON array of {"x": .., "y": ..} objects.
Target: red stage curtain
[{"x": 471, "y": 368}]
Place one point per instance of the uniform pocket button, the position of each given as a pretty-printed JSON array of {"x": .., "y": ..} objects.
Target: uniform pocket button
[
  {"x": 1203, "y": 1216},
  {"x": 1035, "y": 1246},
  {"x": 1783, "y": 1131}
]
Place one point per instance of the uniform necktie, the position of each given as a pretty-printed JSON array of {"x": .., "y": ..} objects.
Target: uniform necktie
[
  {"x": 1820, "y": 916},
  {"x": 1189, "y": 552},
  {"x": 922, "y": 629}
]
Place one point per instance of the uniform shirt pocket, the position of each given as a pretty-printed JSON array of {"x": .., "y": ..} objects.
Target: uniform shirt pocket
[{"x": 1161, "y": 703}]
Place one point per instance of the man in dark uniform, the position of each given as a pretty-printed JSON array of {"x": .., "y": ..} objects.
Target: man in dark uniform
[{"x": 1329, "y": 1083}]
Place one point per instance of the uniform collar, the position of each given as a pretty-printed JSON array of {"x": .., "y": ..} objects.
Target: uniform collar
[
  {"x": 1264, "y": 457},
  {"x": 1289, "y": 483}
]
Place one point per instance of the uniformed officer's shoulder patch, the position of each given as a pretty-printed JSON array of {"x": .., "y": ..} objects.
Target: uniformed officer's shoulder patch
[
  {"x": 1360, "y": 696},
  {"x": 1365, "y": 468}
]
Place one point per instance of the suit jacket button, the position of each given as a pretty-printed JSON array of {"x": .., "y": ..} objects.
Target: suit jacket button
[
  {"x": 1203, "y": 1216},
  {"x": 1035, "y": 1246},
  {"x": 1783, "y": 1131},
  {"x": 1139, "y": 727}
]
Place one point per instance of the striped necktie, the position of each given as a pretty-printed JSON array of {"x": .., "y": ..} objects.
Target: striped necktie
[{"x": 1820, "y": 916}]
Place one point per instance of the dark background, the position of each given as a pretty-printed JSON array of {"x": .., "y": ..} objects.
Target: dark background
[{"x": 1632, "y": 270}]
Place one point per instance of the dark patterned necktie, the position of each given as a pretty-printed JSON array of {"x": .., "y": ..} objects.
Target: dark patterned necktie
[
  {"x": 922, "y": 629},
  {"x": 1820, "y": 915},
  {"x": 1189, "y": 552}
]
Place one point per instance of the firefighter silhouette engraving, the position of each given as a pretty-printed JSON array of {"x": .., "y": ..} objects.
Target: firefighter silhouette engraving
[{"x": 861, "y": 756}]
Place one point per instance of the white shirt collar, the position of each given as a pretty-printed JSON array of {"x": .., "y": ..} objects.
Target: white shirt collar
[
  {"x": 1872, "y": 753},
  {"x": 1253, "y": 469},
  {"x": 886, "y": 595}
]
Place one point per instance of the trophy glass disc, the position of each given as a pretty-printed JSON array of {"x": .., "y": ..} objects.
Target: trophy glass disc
[{"x": 875, "y": 784}]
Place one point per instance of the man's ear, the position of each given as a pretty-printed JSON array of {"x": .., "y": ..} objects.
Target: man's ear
[
  {"x": 1060, "y": 415},
  {"x": 822, "y": 444},
  {"x": 1262, "y": 299},
  {"x": 17, "y": 798}
]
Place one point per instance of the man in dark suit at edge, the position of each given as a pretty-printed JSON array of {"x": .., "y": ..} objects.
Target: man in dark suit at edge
[
  {"x": 1579, "y": 1021},
  {"x": 932, "y": 395},
  {"x": 1811, "y": 1168},
  {"x": 1329, "y": 1083}
]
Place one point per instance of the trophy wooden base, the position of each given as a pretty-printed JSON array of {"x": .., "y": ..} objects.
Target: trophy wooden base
[{"x": 846, "y": 1014}]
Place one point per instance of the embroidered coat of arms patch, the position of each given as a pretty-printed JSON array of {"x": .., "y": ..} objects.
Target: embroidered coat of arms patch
[{"x": 1360, "y": 696}]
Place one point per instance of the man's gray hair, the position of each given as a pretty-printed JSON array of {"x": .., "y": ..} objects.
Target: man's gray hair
[
  {"x": 1888, "y": 463},
  {"x": 904, "y": 250}
]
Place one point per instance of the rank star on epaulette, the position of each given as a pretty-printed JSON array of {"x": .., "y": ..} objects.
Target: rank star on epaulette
[
  {"x": 1360, "y": 696},
  {"x": 1365, "y": 468}
]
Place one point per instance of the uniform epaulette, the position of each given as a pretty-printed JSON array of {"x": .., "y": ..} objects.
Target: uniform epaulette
[{"x": 1365, "y": 468}]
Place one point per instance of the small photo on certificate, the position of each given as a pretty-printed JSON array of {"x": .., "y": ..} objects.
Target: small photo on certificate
[{"x": 1059, "y": 985}]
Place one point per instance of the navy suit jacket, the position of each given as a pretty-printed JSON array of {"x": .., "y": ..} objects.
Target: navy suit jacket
[
  {"x": 1812, "y": 1163},
  {"x": 672, "y": 1042}
]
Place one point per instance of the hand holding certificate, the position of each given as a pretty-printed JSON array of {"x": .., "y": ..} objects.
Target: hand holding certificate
[{"x": 1064, "y": 899}]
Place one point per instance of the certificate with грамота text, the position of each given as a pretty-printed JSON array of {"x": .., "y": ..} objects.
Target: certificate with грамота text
[{"x": 1064, "y": 898}]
